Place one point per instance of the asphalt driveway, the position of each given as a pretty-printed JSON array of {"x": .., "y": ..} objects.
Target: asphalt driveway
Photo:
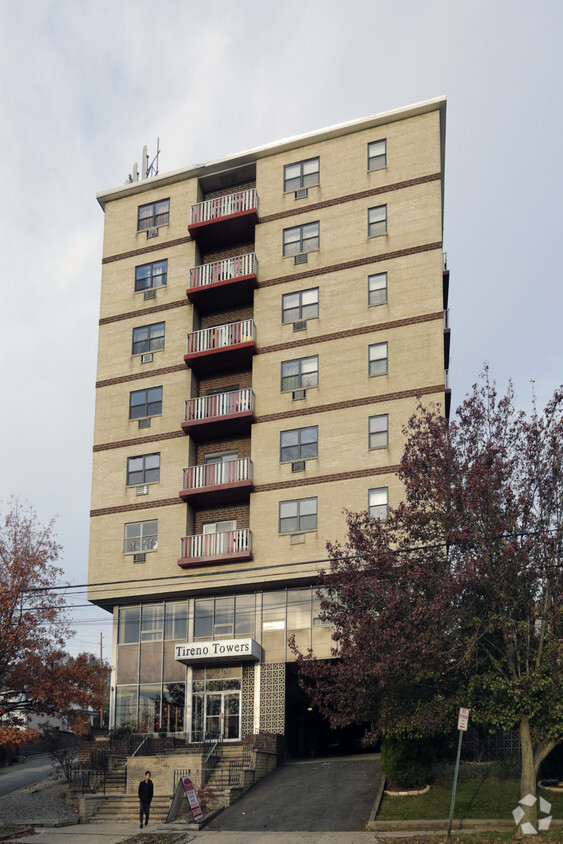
[
  {"x": 35, "y": 769},
  {"x": 335, "y": 794}
]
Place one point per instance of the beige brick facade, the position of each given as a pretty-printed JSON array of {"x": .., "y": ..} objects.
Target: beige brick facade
[{"x": 224, "y": 565}]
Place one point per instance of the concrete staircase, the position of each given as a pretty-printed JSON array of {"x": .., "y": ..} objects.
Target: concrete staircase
[
  {"x": 124, "y": 808},
  {"x": 116, "y": 777}
]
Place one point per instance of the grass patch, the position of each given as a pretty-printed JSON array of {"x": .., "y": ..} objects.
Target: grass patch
[
  {"x": 13, "y": 831},
  {"x": 482, "y": 797}
]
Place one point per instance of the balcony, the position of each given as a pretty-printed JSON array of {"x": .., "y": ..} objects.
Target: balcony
[
  {"x": 210, "y": 484},
  {"x": 225, "y": 220},
  {"x": 207, "y": 548},
  {"x": 447, "y": 338},
  {"x": 222, "y": 348},
  {"x": 220, "y": 415},
  {"x": 229, "y": 282}
]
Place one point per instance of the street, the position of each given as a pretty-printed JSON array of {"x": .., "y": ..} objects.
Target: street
[{"x": 17, "y": 776}]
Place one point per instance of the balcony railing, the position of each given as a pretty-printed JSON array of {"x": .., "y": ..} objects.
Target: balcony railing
[
  {"x": 446, "y": 319},
  {"x": 444, "y": 261},
  {"x": 447, "y": 379},
  {"x": 224, "y": 206},
  {"x": 218, "y": 474},
  {"x": 231, "y": 543},
  {"x": 227, "y": 270},
  {"x": 221, "y": 404},
  {"x": 221, "y": 337}
]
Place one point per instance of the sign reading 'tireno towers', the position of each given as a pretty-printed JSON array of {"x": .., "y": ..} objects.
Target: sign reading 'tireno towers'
[{"x": 222, "y": 650}]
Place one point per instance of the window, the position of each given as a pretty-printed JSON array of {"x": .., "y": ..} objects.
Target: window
[
  {"x": 298, "y": 515},
  {"x": 152, "y": 622},
  {"x": 145, "y": 402},
  {"x": 378, "y": 359},
  {"x": 151, "y": 275},
  {"x": 128, "y": 630},
  {"x": 176, "y": 620},
  {"x": 153, "y": 215},
  {"x": 143, "y": 470},
  {"x": 300, "y": 374},
  {"x": 377, "y": 289},
  {"x": 378, "y": 502},
  {"x": 148, "y": 338},
  {"x": 224, "y": 617},
  {"x": 303, "y": 174},
  {"x": 300, "y": 239},
  {"x": 141, "y": 536},
  {"x": 377, "y": 220},
  {"x": 377, "y": 155},
  {"x": 299, "y": 444},
  {"x": 379, "y": 431},
  {"x": 301, "y": 305}
]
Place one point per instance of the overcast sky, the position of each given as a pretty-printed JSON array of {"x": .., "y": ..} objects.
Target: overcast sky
[{"x": 84, "y": 85}]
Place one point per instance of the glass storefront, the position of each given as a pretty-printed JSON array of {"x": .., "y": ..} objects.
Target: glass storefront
[{"x": 216, "y": 702}]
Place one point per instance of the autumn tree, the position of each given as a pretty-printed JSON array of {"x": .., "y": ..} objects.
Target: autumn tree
[
  {"x": 37, "y": 675},
  {"x": 457, "y": 597}
]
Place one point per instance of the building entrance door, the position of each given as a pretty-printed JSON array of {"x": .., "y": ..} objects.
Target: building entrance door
[
  {"x": 222, "y": 714},
  {"x": 216, "y": 703}
]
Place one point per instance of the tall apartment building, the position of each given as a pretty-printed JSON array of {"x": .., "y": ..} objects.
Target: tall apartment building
[{"x": 267, "y": 323}]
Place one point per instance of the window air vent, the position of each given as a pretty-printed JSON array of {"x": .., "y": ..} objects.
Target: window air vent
[
  {"x": 145, "y": 423},
  {"x": 298, "y": 394},
  {"x": 298, "y": 466},
  {"x": 152, "y": 232},
  {"x": 300, "y": 325},
  {"x": 301, "y": 258},
  {"x": 146, "y": 358},
  {"x": 142, "y": 490},
  {"x": 302, "y": 193},
  {"x": 139, "y": 558},
  {"x": 150, "y": 294}
]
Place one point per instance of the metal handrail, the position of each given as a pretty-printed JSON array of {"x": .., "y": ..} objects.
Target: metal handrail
[{"x": 226, "y": 270}]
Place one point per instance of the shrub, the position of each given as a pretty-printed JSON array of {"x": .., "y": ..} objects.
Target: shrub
[{"x": 407, "y": 762}]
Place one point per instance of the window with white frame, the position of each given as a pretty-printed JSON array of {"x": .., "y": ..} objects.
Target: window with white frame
[
  {"x": 302, "y": 174},
  {"x": 303, "y": 304},
  {"x": 378, "y": 503},
  {"x": 377, "y": 155},
  {"x": 378, "y": 359},
  {"x": 300, "y": 374},
  {"x": 144, "y": 403},
  {"x": 148, "y": 338},
  {"x": 151, "y": 275},
  {"x": 153, "y": 214},
  {"x": 379, "y": 431},
  {"x": 299, "y": 444},
  {"x": 143, "y": 470},
  {"x": 377, "y": 289},
  {"x": 377, "y": 220},
  {"x": 298, "y": 515},
  {"x": 300, "y": 239},
  {"x": 141, "y": 536}
]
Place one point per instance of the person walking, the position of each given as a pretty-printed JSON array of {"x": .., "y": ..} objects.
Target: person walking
[{"x": 146, "y": 791}]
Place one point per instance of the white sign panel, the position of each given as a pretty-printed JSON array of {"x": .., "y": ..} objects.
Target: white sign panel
[
  {"x": 221, "y": 650},
  {"x": 463, "y": 719}
]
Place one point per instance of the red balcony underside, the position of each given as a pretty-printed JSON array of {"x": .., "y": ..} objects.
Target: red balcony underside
[
  {"x": 225, "y": 231},
  {"x": 224, "y": 359},
  {"x": 234, "y": 425},
  {"x": 233, "y": 291},
  {"x": 237, "y": 557},
  {"x": 209, "y": 496}
]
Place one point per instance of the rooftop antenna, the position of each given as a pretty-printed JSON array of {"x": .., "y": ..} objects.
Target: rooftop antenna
[{"x": 148, "y": 169}]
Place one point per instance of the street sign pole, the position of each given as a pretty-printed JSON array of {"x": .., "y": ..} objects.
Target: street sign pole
[{"x": 462, "y": 722}]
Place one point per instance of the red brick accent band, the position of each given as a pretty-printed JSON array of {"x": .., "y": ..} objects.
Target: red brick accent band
[
  {"x": 328, "y": 479},
  {"x": 155, "y": 438},
  {"x": 146, "y": 505},
  {"x": 180, "y": 303},
  {"x": 358, "y": 262},
  {"x": 136, "y": 376},
  {"x": 352, "y": 197},
  {"x": 165, "y": 244}
]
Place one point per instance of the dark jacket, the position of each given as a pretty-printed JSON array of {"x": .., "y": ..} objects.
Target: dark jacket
[{"x": 146, "y": 790}]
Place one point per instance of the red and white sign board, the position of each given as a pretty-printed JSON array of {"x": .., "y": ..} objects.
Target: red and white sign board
[
  {"x": 191, "y": 794},
  {"x": 463, "y": 719}
]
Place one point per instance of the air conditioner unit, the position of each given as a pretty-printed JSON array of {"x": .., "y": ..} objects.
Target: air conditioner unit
[
  {"x": 142, "y": 490},
  {"x": 298, "y": 466},
  {"x": 150, "y": 294},
  {"x": 145, "y": 423},
  {"x": 139, "y": 558},
  {"x": 301, "y": 258},
  {"x": 298, "y": 394},
  {"x": 152, "y": 232},
  {"x": 300, "y": 325},
  {"x": 146, "y": 358},
  {"x": 302, "y": 193}
]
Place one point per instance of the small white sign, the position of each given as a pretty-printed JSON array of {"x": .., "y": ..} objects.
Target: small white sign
[
  {"x": 221, "y": 650},
  {"x": 463, "y": 719}
]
